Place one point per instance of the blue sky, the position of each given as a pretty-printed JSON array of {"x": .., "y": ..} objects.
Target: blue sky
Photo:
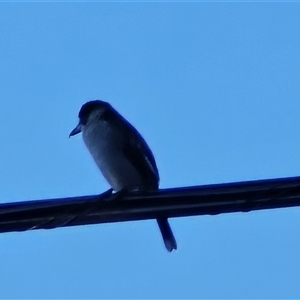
[{"x": 213, "y": 88}]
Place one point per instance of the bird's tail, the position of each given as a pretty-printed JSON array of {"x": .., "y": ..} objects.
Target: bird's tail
[{"x": 167, "y": 234}]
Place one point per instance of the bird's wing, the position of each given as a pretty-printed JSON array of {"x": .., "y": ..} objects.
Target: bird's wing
[
  {"x": 136, "y": 149},
  {"x": 140, "y": 155}
]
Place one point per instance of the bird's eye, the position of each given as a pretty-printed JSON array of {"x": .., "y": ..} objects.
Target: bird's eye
[{"x": 83, "y": 120}]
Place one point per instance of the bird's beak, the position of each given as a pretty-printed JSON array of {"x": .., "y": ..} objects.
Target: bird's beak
[{"x": 76, "y": 130}]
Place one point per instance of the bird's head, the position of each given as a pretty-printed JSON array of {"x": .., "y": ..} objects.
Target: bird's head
[{"x": 89, "y": 111}]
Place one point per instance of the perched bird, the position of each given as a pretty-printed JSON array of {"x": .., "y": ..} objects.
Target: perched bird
[{"x": 121, "y": 154}]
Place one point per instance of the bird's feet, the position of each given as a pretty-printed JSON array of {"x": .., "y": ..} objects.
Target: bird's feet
[{"x": 118, "y": 195}]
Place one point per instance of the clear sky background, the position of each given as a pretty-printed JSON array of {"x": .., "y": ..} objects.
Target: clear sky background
[{"x": 213, "y": 87}]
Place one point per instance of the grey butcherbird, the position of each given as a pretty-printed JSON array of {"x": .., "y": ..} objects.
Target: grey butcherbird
[{"x": 121, "y": 154}]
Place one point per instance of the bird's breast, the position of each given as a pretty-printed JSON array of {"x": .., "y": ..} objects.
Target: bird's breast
[{"x": 106, "y": 147}]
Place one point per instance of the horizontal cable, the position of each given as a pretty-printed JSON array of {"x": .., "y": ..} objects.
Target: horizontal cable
[{"x": 175, "y": 202}]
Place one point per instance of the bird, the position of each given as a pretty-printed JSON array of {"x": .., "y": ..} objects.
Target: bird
[{"x": 121, "y": 153}]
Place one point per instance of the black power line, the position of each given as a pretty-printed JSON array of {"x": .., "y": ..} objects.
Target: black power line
[{"x": 175, "y": 202}]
